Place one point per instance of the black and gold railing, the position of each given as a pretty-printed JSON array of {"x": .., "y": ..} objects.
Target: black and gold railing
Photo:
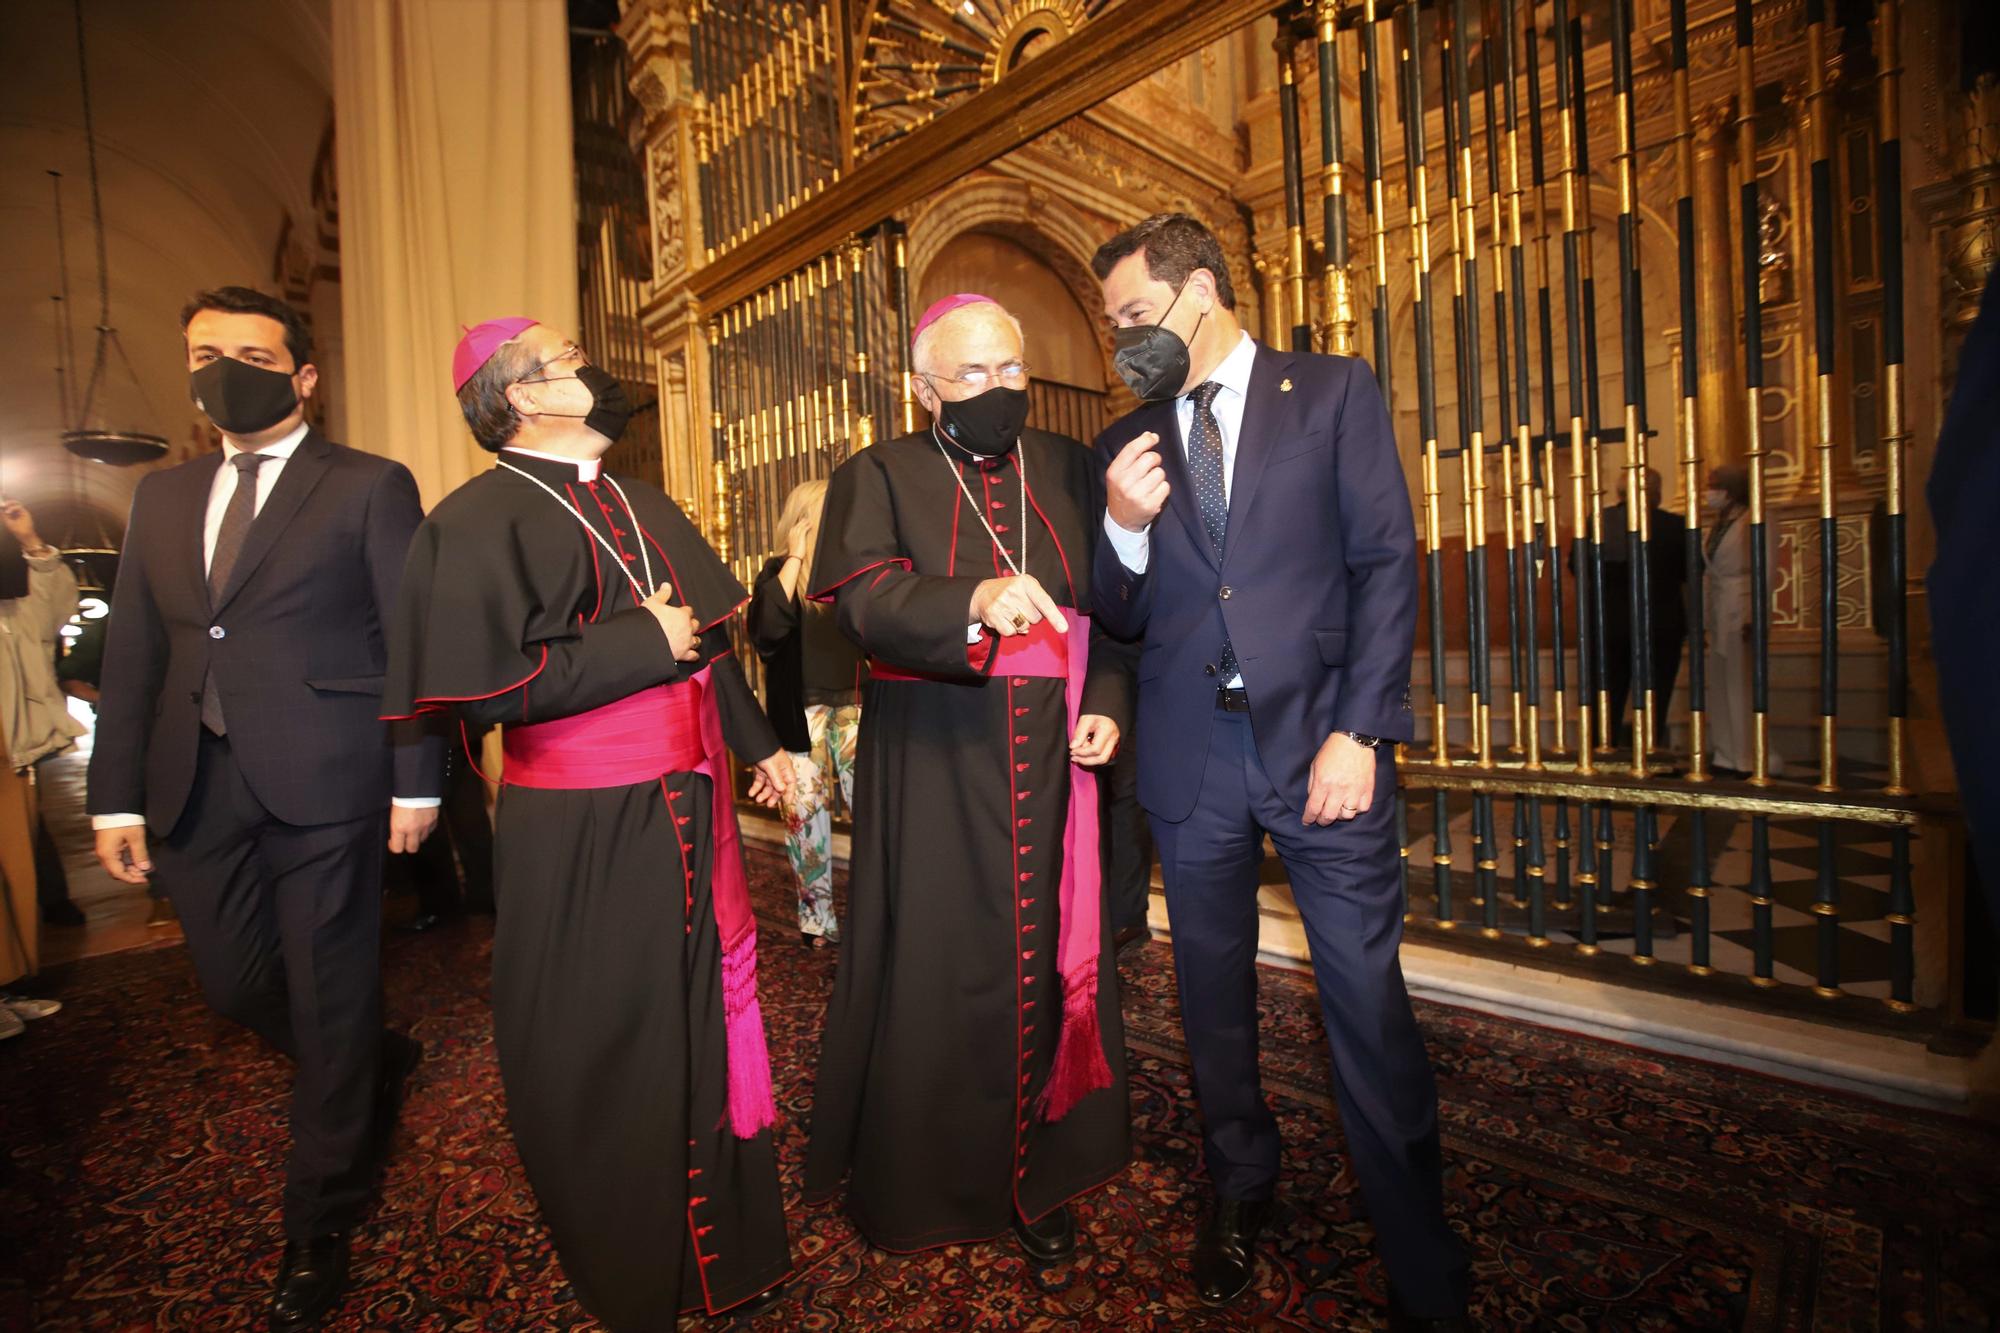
[
  {"x": 1624, "y": 845},
  {"x": 803, "y": 373},
  {"x": 768, "y": 137},
  {"x": 1469, "y": 150}
]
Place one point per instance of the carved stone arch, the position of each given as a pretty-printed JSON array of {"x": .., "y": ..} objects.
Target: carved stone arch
[{"x": 1031, "y": 216}]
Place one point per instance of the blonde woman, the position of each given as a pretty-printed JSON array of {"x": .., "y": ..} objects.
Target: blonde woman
[{"x": 812, "y": 688}]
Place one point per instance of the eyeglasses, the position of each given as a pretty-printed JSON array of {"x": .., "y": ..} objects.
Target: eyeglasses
[
  {"x": 978, "y": 379},
  {"x": 569, "y": 351}
]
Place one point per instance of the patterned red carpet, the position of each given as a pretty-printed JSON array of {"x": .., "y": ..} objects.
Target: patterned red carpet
[{"x": 1600, "y": 1187}]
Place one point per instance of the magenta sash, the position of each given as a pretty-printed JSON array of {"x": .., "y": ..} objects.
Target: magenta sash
[
  {"x": 1080, "y": 1066},
  {"x": 642, "y": 738}
]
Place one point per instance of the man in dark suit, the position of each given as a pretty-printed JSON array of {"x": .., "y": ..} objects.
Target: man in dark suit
[
  {"x": 238, "y": 723},
  {"x": 1260, "y": 544},
  {"x": 1666, "y": 599}
]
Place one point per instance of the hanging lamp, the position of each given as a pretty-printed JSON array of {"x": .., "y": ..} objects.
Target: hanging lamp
[{"x": 91, "y": 437}]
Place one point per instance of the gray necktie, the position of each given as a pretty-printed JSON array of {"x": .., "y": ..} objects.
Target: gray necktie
[
  {"x": 236, "y": 520},
  {"x": 1205, "y": 466}
]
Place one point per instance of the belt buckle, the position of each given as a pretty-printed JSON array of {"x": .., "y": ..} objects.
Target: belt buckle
[{"x": 1232, "y": 700}]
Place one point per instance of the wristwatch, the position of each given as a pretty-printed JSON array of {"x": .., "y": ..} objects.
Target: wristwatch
[{"x": 1365, "y": 742}]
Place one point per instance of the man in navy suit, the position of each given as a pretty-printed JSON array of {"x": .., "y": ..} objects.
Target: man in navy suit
[{"x": 1261, "y": 547}]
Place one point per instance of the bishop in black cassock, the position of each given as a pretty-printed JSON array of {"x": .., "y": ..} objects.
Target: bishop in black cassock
[
  {"x": 972, "y": 1070},
  {"x": 584, "y": 613}
]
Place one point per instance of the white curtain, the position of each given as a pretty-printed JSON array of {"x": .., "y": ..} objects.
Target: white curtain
[{"x": 452, "y": 130}]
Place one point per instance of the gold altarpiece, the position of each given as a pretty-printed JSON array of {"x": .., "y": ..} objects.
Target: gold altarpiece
[{"x": 781, "y": 138}]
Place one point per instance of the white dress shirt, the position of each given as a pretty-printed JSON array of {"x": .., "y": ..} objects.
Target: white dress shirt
[
  {"x": 1233, "y": 374},
  {"x": 220, "y": 492}
]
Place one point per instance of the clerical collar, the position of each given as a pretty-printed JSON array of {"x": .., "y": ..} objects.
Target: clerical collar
[
  {"x": 586, "y": 469},
  {"x": 984, "y": 462}
]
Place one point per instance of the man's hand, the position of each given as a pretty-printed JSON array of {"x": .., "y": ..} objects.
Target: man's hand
[
  {"x": 1095, "y": 742},
  {"x": 1013, "y": 605},
  {"x": 1135, "y": 485},
  {"x": 1343, "y": 781},
  {"x": 122, "y": 852},
  {"x": 20, "y": 524},
  {"x": 772, "y": 779},
  {"x": 683, "y": 635},
  {"x": 409, "y": 826}
]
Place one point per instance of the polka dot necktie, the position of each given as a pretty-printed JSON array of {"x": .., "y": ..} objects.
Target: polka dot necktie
[{"x": 1205, "y": 466}]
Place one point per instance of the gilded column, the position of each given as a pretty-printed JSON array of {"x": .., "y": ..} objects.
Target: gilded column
[
  {"x": 1719, "y": 402},
  {"x": 657, "y": 36},
  {"x": 1970, "y": 232}
]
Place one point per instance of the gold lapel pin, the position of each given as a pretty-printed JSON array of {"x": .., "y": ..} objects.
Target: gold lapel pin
[{"x": 1284, "y": 386}]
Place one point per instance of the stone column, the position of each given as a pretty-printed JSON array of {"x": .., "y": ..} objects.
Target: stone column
[{"x": 655, "y": 32}]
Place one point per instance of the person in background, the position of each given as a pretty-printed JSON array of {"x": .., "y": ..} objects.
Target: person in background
[
  {"x": 80, "y": 670},
  {"x": 812, "y": 692},
  {"x": 38, "y": 725},
  {"x": 1666, "y": 589},
  {"x": 452, "y": 875},
  {"x": 1726, "y": 615},
  {"x": 240, "y": 751}
]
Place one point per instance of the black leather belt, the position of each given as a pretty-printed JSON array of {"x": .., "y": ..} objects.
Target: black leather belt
[{"x": 1232, "y": 701}]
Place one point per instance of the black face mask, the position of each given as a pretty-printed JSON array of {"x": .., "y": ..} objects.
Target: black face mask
[
  {"x": 242, "y": 399},
  {"x": 988, "y": 424},
  {"x": 1152, "y": 359},
  {"x": 610, "y": 406}
]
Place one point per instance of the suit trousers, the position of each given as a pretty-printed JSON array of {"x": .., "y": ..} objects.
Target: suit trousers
[
  {"x": 1666, "y": 668},
  {"x": 1344, "y": 881},
  {"x": 284, "y": 923}
]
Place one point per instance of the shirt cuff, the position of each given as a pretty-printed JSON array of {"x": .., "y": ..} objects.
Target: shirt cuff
[
  {"x": 115, "y": 821},
  {"x": 416, "y": 802},
  {"x": 1133, "y": 548},
  {"x": 973, "y": 631}
]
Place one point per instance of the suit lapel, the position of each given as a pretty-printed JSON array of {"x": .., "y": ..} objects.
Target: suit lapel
[
  {"x": 296, "y": 481},
  {"x": 1266, "y": 409}
]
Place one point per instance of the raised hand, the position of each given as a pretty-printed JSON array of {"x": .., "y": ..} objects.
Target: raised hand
[{"x": 1135, "y": 485}]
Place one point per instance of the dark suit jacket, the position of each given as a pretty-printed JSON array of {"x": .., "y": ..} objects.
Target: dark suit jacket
[
  {"x": 296, "y": 642},
  {"x": 1964, "y": 494},
  {"x": 1316, "y": 589},
  {"x": 1666, "y": 562}
]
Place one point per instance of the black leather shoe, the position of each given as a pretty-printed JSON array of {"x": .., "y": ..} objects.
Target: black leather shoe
[
  {"x": 1128, "y": 937},
  {"x": 1049, "y": 1238},
  {"x": 1225, "y": 1254},
  {"x": 423, "y": 923},
  {"x": 1402, "y": 1321},
  {"x": 311, "y": 1279}
]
